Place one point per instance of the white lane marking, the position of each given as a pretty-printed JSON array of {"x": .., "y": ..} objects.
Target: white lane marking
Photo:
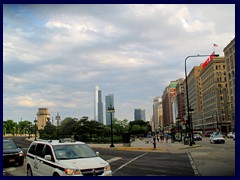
[
  {"x": 129, "y": 162},
  {"x": 196, "y": 172},
  {"x": 113, "y": 159}
]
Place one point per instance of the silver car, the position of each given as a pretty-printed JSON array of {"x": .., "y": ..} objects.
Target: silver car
[{"x": 217, "y": 138}]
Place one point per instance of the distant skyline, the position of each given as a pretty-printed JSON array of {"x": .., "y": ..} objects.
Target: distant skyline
[{"x": 55, "y": 54}]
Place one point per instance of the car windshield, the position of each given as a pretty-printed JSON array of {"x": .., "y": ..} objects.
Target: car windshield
[
  {"x": 9, "y": 145},
  {"x": 73, "y": 151},
  {"x": 218, "y": 135}
]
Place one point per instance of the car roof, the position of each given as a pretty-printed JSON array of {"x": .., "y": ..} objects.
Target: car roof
[{"x": 59, "y": 142}]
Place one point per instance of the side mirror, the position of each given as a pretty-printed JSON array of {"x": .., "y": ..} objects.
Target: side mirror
[
  {"x": 48, "y": 157},
  {"x": 97, "y": 153}
]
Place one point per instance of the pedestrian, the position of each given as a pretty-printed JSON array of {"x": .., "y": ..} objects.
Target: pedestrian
[
  {"x": 166, "y": 137},
  {"x": 154, "y": 141},
  {"x": 161, "y": 137},
  {"x": 157, "y": 138}
]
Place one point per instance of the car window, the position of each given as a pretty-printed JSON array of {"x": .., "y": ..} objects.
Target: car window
[
  {"x": 74, "y": 151},
  {"x": 48, "y": 151},
  {"x": 218, "y": 135},
  {"x": 9, "y": 145},
  {"x": 32, "y": 148},
  {"x": 39, "y": 150}
]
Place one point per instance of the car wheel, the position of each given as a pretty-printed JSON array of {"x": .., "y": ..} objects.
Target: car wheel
[{"x": 29, "y": 171}]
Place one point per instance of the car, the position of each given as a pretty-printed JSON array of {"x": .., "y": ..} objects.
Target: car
[
  {"x": 230, "y": 134},
  {"x": 197, "y": 137},
  {"x": 217, "y": 138},
  {"x": 12, "y": 154},
  {"x": 233, "y": 136},
  {"x": 64, "y": 157}
]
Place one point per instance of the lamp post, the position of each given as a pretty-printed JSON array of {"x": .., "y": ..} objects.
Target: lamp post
[
  {"x": 111, "y": 110},
  {"x": 188, "y": 115},
  {"x": 35, "y": 122}
]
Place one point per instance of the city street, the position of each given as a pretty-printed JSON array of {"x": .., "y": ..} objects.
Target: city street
[{"x": 172, "y": 159}]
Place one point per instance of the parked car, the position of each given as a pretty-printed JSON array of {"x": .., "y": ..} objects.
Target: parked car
[
  {"x": 217, "y": 138},
  {"x": 230, "y": 134},
  {"x": 233, "y": 136},
  {"x": 197, "y": 137},
  {"x": 64, "y": 157},
  {"x": 12, "y": 154}
]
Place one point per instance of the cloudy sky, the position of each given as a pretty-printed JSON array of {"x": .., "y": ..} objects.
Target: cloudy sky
[{"x": 54, "y": 55}]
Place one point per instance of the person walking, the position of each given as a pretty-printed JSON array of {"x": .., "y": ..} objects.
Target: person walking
[
  {"x": 161, "y": 137},
  {"x": 154, "y": 141},
  {"x": 166, "y": 137}
]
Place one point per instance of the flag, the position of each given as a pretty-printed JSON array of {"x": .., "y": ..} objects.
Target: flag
[{"x": 215, "y": 45}]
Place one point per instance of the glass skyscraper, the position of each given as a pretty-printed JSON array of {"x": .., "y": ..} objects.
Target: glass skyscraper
[
  {"x": 109, "y": 101},
  {"x": 98, "y": 105}
]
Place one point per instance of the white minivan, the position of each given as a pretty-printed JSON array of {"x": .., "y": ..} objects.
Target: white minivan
[{"x": 64, "y": 157}]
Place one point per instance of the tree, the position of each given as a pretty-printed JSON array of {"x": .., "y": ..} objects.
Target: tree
[{"x": 67, "y": 127}]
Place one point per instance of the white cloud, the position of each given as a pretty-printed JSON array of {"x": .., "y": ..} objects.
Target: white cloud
[{"x": 56, "y": 24}]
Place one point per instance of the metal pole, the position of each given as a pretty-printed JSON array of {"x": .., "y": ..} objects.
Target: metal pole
[
  {"x": 35, "y": 121},
  {"x": 111, "y": 133}
]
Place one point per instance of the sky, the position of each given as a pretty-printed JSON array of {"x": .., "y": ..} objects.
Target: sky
[{"x": 54, "y": 55}]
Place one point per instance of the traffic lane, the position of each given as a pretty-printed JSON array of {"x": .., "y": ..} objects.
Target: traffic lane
[
  {"x": 139, "y": 163},
  {"x": 157, "y": 164},
  {"x": 215, "y": 159}
]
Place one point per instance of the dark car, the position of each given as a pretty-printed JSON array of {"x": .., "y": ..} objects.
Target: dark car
[
  {"x": 12, "y": 154},
  {"x": 197, "y": 137}
]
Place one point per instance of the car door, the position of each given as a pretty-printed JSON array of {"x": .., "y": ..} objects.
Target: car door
[
  {"x": 38, "y": 160},
  {"x": 47, "y": 166}
]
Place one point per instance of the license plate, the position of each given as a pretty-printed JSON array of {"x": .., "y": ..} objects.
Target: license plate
[{"x": 11, "y": 160}]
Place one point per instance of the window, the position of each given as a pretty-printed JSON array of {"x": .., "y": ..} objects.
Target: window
[
  {"x": 39, "y": 150},
  {"x": 48, "y": 151},
  {"x": 32, "y": 148}
]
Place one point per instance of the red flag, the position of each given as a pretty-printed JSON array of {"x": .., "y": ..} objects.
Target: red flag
[{"x": 215, "y": 45}]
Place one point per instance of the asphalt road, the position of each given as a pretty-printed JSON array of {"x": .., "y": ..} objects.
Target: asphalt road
[{"x": 206, "y": 160}]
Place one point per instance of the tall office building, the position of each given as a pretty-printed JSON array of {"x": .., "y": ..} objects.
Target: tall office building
[
  {"x": 157, "y": 114},
  {"x": 109, "y": 101},
  {"x": 139, "y": 114},
  {"x": 229, "y": 53},
  {"x": 98, "y": 105}
]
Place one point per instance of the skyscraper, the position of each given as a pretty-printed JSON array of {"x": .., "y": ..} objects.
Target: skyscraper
[
  {"x": 98, "y": 105},
  {"x": 139, "y": 114},
  {"x": 109, "y": 101}
]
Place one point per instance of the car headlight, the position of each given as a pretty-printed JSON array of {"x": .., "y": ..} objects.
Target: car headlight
[
  {"x": 20, "y": 153},
  {"x": 107, "y": 168},
  {"x": 72, "y": 171}
]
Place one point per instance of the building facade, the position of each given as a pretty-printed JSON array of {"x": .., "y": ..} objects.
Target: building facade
[
  {"x": 229, "y": 53},
  {"x": 157, "y": 114},
  {"x": 43, "y": 116},
  {"x": 139, "y": 114},
  {"x": 109, "y": 102},
  {"x": 214, "y": 96},
  {"x": 98, "y": 105}
]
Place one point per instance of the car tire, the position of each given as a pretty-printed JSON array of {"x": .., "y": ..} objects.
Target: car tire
[{"x": 29, "y": 171}]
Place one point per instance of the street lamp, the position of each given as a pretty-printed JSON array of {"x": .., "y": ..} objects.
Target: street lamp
[
  {"x": 35, "y": 122},
  {"x": 188, "y": 115},
  {"x": 111, "y": 110}
]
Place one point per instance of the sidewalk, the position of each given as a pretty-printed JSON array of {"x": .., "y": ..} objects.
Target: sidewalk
[{"x": 142, "y": 145}]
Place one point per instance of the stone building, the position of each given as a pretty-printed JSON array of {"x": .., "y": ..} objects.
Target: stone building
[{"x": 43, "y": 116}]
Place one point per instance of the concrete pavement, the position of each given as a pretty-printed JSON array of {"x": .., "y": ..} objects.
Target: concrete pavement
[{"x": 147, "y": 145}]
